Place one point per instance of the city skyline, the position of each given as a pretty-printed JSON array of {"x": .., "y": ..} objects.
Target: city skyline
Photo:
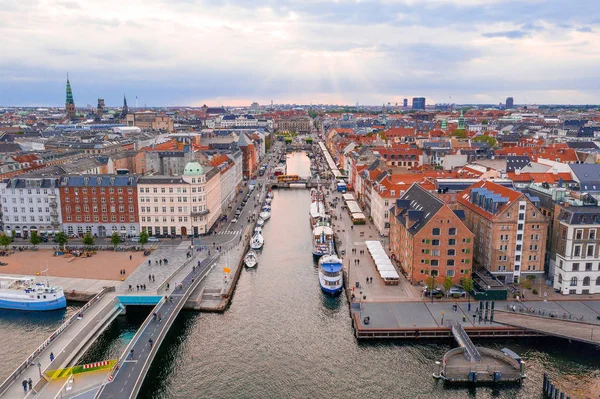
[{"x": 371, "y": 52}]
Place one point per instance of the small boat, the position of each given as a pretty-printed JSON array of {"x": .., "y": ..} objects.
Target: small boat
[
  {"x": 258, "y": 229},
  {"x": 251, "y": 259},
  {"x": 270, "y": 194},
  {"x": 257, "y": 241},
  {"x": 330, "y": 274},
  {"x": 268, "y": 200},
  {"x": 265, "y": 215},
  {"x": 260, "y": 222}
]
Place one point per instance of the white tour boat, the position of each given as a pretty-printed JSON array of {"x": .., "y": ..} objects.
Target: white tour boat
[
  {"x": 251, "y": 259},
  {"x": 257, "y": 241}
]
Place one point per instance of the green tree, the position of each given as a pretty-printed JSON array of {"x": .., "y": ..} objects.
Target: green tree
[
  {"x": 467, "y": 284},
  {"x": 34, "y": 239},
  {"x": 115, "y": 239},
  {"x": 489, "y": 140},
  {"x": 61, "y": 239},
  {"x": 5, "y": 240},
  {"x": 13, "y": 234},
  {"x": 459, "y": 133},
  {"x": 88, "y": 240},
  {"x": 448, "y": 284},
  {"x": 143, "y": 238}
]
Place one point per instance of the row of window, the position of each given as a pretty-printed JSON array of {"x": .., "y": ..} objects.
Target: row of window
[
  {"x": 103, "y": 208},
  {"x": 164, "y": 219},
  {"x": 23, "y": 210},
  {"x": 172, "y": 199},
  {"x": 449, "y": 262},
  {"x": 449, "y": 273},
  {"x": 111, "y": 190},
  {"x": 102, "y": 200},
  {"x": 96, "y": 218},
  {"x": 24, "y": 218},
  {"x": 451, "y": 241},
  {"x": 436, "y": 231},
  {"x": 579, "y": 234},
  {"x": 575, "y": 281},
  {"x": 590, "y": 249},
  {"x": 171, "y": 190},
  {"x": 502, "y": 268},
  {"x": 30, "y": 191},
  {"x": 449, "y": 252}
]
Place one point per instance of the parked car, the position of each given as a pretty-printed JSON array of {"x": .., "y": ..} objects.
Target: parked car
[
  {"x": 153, "y": 239},
  {"x": 457, "y": 291},
  {"x": 135, "y": 239},
  {"x": 436, "y": 292},
  {"x": 234, "y": 220}
]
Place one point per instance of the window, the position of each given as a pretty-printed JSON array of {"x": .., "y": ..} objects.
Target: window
[
  {"x": 434, "y": 252},
  {"x": 452, "y": 231},
  {"x": 451, "y": 252},
  {"x": 578, "y": 234},
  {"x": 452, "y": 241},
  {"x": 435, "y": 242},
  {"x": 586, "y": 281},
  {"x": 590, "y": 250},
  {"x": 450, "y": 273},
  {"x": 435, "y": 262},
  {"x": 592, "y": 234},
  {"x": 588, "y": 267},
  {"x": 598, "y": 280},
  {"x": 450, "y": 262},
  {"x": 575, "y": 267},
  {"x": 577, "y": 250},
  {"x": 435, "y": 231},
  {"x": 521, "y": 216}
]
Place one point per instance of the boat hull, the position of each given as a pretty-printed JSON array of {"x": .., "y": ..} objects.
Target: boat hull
[
  {"x": 59, "y": 303},
  {"x": 331, "y": 291}
]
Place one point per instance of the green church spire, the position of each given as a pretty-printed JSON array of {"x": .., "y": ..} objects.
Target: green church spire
[
  {"x": 69, "y": 92},
  {"x": 461, "y": 121}
]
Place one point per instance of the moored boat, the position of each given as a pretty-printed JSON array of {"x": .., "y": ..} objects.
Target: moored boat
[
  {"x": 251, "y": 259},
  {"x": 257, "y": 241},
  {"x": 330, "y": 274},
  {"x": 260, "y": 222},
  {"x": 265, "y": 215},
  {"x": 322, "y": 239},
  {"x": 24, "y": 294}
]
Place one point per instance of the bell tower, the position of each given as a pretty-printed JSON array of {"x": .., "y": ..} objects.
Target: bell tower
[{"x": 70, "y": 103}]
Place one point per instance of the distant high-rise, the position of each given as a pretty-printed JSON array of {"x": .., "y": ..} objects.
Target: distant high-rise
[
  {"x": 510, "y": 103},
  {"x": 405, "y": 103},
  {"x": 100, "y": 108},
  {"x": 418, "y": 103},
  {"x": 70, "y": 103}
]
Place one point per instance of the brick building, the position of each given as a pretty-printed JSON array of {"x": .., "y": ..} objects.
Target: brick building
[
  {"x": 99, "y": 204},
  {"x": 510, "y": 229},
  {"x": 428, "y": 238}
]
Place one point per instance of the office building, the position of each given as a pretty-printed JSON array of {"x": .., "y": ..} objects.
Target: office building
[{"x": 418, "y": 103}]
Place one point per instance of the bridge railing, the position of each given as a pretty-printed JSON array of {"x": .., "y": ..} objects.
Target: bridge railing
[{"x": 29, "y": 361}]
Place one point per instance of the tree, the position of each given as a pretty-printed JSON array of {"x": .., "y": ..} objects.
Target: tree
[
  {"x": 467, "y": 284},
  {"x": 88, "y": 240},
  {"x": 13, "y": 234},
  {"x": 459, "y": 133},
  {"x": 5, "y": 240},
  {"x": 35, "y": 239},
  {"x": 448, "y": 284},
  {"x": 143, "y": 238},
  {"x": 115, "y": 239},
  {"x": 489, "y": 140},
  {"x": 431, "y": 285},
  {"x": 61, "y": 239}
]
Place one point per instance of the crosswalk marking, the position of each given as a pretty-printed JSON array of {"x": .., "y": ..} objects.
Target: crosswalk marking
[{"x": 230, "y": 232}]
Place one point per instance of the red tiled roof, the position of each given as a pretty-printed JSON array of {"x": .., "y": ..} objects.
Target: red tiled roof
[{"x": 464, "y": 197}]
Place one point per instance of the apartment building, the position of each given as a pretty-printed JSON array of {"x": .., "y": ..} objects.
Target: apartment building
[
  {"x": 180, "y": 206},
  {"x": 430, "y": 239},
  {"x": 99, "y": 205},
  {"x": 509, "y": 227},
  {"x": 30, "y": 204},
  {"x": 575, "y": 260}
]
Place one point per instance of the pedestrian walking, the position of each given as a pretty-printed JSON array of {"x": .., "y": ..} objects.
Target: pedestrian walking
[
  {"x": 51, "y": 357},
  {"x": 159, "y": 317},
  {"x": 153, "y": 278},
  {"x": 30, "y": 383},
  {"x": 131, "y": 354},
  {"x": 371, "y": 280},
  {"x": 154, "y": 316},
  {"x": 150, "y": 342},
  {"x": 130, "y": 257},
  {"x": 167, "y": 288},
  {"x": 24, "y": 383},
  {"x": 137, "y": 287},
  {"x": 150, "y": 276},
  {"x": 160, "y": 262},
  {"x": 367, "y": 280},
  {"x": 149, "y": 262},
  {"x": 130, "y": 288}
]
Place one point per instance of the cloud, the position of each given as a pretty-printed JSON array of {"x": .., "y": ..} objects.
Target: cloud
[
  {"x": 179, "y": 51},
  {"x": 509, "y": 34}
]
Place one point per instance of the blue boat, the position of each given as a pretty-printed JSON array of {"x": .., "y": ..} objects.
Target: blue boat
[
  {"x": 331, "y": 277},
  {"x": 25, "y": 294}
]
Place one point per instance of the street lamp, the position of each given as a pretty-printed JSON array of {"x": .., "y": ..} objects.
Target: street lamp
[{"x": 39, "y": 368}]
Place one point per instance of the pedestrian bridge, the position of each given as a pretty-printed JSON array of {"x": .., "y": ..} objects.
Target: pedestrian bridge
[{"x": 127, "y": 377}]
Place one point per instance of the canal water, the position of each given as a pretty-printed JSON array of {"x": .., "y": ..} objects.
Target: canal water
[{"x": 282, "y": 338}]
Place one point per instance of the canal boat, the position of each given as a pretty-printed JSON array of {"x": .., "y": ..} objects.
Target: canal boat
[
  {"x": 257, "y": 241},
  {"x": 330, "y": 274},
  {"x": 260, "y": 222},
  {"x": 258, "y": 229},
  {"x": 25, "y": 294},
  {"x": 265, "y": 215},
  {"x": 268, "y": 200},
  {"x": 251, "y": 259},
  {"x": 317, "y": 212},
  {"x": 322, "y": 239}
]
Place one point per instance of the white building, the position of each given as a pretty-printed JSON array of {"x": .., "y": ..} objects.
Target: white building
[
  {"x": 180, "y": 206},
  {"x": 30, "y": 204}
]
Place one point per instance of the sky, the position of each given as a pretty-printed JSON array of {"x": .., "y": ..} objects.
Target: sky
[{"x": 234, "y": 52}]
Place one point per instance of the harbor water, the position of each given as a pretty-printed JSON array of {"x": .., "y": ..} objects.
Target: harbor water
[{"x": 283, "y": 338}]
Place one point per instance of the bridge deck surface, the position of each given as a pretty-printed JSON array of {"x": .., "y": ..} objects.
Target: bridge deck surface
[
  {"x": 578, "y": 331},
  {"x": 133, "y": 369}
]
